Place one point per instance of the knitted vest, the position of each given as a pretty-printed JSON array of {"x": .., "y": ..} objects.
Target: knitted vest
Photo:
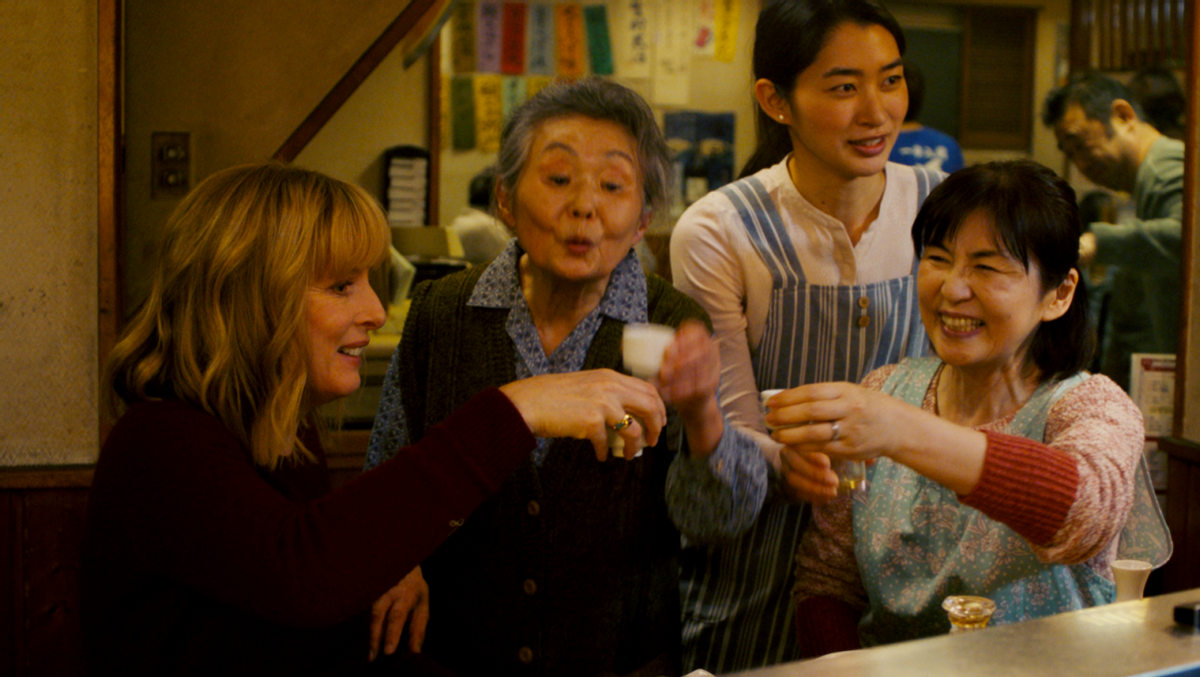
[{"x": 571, "y": 568}]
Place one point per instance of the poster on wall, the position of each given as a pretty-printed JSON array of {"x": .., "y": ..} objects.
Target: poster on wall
[
  {"x": 702, "y": 148},
  {"x": 1152, "y": 388}
]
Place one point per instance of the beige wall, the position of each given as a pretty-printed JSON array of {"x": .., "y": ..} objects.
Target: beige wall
[
  {"x": 48, "y": 192},
  {"x": 389, "y": 109},
  {"x": 240, "y": 77}
]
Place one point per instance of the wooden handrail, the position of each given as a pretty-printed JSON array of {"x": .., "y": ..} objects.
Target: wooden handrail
[{"x": 354, "y": 77}]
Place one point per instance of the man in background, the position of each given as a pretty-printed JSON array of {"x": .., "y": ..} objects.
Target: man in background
[
  {"x": 918, "y": 144},
  {"x": 1101, "y": 129},
  {"x": 483, "y": 236}
]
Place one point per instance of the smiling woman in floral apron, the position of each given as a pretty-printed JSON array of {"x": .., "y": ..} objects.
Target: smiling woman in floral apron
[
  {"x": 1003, "y": 469},
  {"x": 805, "y": 266}
]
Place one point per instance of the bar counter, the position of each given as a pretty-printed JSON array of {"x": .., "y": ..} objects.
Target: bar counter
[{"x": 1118, "y": 640}]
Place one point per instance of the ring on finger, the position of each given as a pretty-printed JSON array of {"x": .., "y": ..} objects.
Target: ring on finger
[
  {"x": 836, "y": 432},
  {"x": 622, "y": 424}
]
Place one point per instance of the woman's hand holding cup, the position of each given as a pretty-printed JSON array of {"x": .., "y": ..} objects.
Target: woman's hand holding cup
[
  {"x": 841, "y": 421},
  {"x": 588, "y": 405}
]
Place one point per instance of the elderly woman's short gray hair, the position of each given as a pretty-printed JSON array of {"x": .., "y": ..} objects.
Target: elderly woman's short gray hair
[{"x": 593, "y": 98}]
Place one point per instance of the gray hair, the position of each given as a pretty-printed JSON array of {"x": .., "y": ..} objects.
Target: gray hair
[{"x": 601, "y": 100}]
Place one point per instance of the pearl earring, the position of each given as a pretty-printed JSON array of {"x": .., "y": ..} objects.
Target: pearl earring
[{"x": 781, "y": 117}]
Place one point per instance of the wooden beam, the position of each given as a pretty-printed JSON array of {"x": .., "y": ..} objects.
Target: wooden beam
[
  {"x": 109, "y": 188},
  {"x": 1187, "y": 392},
  {"x": 345, "y": 87}
]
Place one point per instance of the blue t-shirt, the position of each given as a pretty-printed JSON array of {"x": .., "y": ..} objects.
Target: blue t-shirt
[{"x": 928, "y": 147}]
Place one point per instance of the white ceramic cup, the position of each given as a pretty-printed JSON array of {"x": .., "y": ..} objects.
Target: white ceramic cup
[
  {"x": 643, "y": 346},
  {"x": 1130, "y": 575},
  {"x": 763, "y": 397}
]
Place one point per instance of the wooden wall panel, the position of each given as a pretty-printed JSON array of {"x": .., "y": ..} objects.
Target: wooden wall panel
[{"x": 42, "y": 515}]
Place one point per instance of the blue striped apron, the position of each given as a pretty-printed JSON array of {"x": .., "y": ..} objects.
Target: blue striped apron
[{"x": 737, "y": 602}]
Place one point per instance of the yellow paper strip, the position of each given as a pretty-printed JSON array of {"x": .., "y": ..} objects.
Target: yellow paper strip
[
  {"x": 725, "y": 26},
  {"x": 489, "y": 112}
]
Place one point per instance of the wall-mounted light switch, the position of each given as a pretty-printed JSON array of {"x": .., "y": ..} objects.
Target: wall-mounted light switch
[{"x": 170, "y": 164}]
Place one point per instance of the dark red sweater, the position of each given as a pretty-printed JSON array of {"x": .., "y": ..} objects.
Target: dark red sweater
[{"x": 197, "y": 562}]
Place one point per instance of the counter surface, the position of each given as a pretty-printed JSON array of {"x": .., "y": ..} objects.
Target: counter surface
[{"x": 1117, "y": 640}]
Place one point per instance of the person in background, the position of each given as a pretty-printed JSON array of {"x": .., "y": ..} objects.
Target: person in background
[
  {"x": 572, "y": 567},
  {"x": 806, "y": 267},
  {"x": 214, "y": 544},
  {"x": 1001, "y": 468},
  {"x": 918, "y": 144},
  {"x": 1162, "y": 99},
  {"x": 482, "y": 235},
  {"x": 1100, "y": 128}
]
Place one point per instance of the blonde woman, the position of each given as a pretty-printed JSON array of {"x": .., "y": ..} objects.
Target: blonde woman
[{"x": 214, "y": 544}]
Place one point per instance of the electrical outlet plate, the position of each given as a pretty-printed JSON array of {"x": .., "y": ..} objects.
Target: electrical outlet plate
[{"x": 170, "y": 165}]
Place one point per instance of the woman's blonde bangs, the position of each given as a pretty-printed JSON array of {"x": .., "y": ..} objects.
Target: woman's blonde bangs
[{"x": 351, "y": 235}]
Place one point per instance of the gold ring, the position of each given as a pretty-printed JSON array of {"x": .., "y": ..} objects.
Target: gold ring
[{"x": 622, "y": 424}]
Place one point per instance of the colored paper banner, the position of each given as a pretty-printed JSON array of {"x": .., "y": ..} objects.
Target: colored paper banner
[
  {"x": 462, "y": 112},
  {"x": 673, "y": 54},
  {"x": 725, "y": 25},
  {"x": 462, "y": 38},
  {"x": 512, "y": 45},
  {"x": 487, "y": 38},
  {"x": 631, "y": 37},
  {"x": 513, "y": 94},
  {"x": 489, "y": 112},
  {"x": 595, "y": 18},
  {"x": 540, "y": 53},
  {"x": 568, "y": 33}
]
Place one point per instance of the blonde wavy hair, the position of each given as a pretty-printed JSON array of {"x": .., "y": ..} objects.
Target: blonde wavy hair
[{"x": 224, "y": 327}]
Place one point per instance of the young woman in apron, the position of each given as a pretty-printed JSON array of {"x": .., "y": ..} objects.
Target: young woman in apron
[
  {"x": 805, "y": 266},
  {"x": 1003, "y": 468}
]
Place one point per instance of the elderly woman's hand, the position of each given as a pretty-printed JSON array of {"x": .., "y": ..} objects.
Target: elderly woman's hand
[
  {"x": 688, "y": 380},
  {"x": 586, "y": 404},
  {"x": 406, "y": 603}
]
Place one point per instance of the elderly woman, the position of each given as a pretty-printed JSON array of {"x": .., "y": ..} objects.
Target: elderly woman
[
  {"x": 214, "y": 545},
  {"x": 572, "y": 568},
  {"x": 1002, "y": 469}
]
